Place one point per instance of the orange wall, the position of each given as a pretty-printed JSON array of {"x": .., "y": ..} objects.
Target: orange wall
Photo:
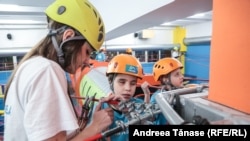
[{"x": 230, "y": 54}]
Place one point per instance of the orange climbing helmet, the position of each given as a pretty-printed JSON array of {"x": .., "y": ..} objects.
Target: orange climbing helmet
[
  {"x": 165, "y": 66},
  {"x": 125, "y": 64}
]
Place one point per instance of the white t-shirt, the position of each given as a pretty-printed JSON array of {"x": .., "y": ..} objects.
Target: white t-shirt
[{"x": 38, "y": 106}]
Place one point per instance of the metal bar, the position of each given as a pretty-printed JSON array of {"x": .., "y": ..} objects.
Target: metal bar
[{"x": 167, "y": 110}]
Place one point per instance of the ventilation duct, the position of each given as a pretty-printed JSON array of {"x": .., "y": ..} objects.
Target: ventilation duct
[
  {"x": 4, "y": 52},
  {"x": 141, "y": 47},
  {"x": 197, "y": 41}
]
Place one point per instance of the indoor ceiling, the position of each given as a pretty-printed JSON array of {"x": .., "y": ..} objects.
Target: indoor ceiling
[{"x": 120, "y": 17}]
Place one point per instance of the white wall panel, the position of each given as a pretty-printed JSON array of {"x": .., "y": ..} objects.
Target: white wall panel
[
  {"x": 21, "y": 38},
  {"x": 199, "y": 30}
]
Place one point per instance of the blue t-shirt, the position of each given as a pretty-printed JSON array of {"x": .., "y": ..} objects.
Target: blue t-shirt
[
  {"x": 160, "y": 118},
  {"x": 120, "y": 136}
]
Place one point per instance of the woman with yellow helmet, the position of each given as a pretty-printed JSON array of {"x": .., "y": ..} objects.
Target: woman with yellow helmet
[
  {"x": 168, "y": 72},
  {"x": 38, "y": 106}
]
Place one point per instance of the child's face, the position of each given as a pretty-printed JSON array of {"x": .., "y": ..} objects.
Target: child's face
[
  {"x": 177, "y": 78},
  {"x": 125, "y": 85}
]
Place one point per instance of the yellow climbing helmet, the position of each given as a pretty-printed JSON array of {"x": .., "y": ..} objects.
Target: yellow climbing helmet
[
  {"x": 80, "y": 15},
  {"x": 125, "y": 64},
  {"x": 165, "y": 66}
]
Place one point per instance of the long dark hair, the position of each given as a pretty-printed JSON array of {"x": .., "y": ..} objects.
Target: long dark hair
[{"x": 46, "y": 49}]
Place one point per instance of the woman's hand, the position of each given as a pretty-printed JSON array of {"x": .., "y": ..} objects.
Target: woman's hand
[
  {"x": 113, "y": 100},
  {"x": 102, "y": 118}
]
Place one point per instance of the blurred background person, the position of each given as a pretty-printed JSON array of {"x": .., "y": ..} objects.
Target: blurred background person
[
  {"x": 175, "y": 53},
  {"x": 101, "y": 55},
  {"x": 129, "y": 51}
]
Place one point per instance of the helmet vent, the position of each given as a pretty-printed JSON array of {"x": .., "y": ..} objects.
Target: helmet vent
[
  {"x": 87, "y": 4},
  {"x": 100, "y": 37},
  {"x": 95, "y": 13},
  {"x": 115, "y": 65},
  {"x": 171, "y": 64},
  {"x": 99, "y": 21},
  {"x": 61, "y": 10}
]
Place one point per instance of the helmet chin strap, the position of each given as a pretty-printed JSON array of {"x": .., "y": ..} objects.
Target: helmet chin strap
[
  {"x": 59, "y": 52},
  {"x": 58, "y": 49},
  {"x": 111, "y": 79},
  {"x": 168, "y": 83},
  {"x": 52, "y": 33},
  {"x": 112, "y": 83}
]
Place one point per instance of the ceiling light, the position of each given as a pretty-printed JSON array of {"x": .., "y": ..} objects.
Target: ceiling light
[
  {"x": 7, "y": 7},
  {"x": 197, "y": 15},
  {"x": 17, "y": 8},
  {"x": 168, "y": 23}
]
